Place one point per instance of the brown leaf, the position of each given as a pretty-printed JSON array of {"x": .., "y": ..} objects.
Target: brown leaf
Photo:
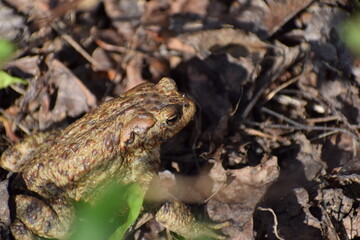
[
  {"x": 73, "y": 98},
  {"x": 236, "y": 42},
  {"x": 352, "y": 224},
  {"x": 247, "y": 185},
  {"x": 280, "y": 12},
  {"x": 310, "y": 157},
  {"x": 336, "y": 203},
  {"x": 237, "y": 199},
  {"x": 25, "y": 67},
  {"x": 190, "y": 6}
]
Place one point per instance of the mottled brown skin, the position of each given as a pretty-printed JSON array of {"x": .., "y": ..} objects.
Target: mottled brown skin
[
  {"x": 118, "y": 141},
  {"x": 175, "y": 216}
]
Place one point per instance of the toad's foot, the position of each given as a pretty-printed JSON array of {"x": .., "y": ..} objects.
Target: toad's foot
[
  {"x": 43, "y": 220},
  {"x": 20, "y": 231},
  {"x": 176, "y": 217}
]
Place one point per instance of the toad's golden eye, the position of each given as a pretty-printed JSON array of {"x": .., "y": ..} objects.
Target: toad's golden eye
[{"x": 172, "y": 119}]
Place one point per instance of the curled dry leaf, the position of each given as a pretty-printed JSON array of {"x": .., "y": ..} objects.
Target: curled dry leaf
[
  {"x": 248, "y": 184},
  {"x": 352, "y": 224},
  {"x": 280, "y": 12},
  {"x": 340, "y": 205},
  {"x": 73, "y": 98},
  {"x": 26, "y": 67},
  {"x": 336, "y": 203}
]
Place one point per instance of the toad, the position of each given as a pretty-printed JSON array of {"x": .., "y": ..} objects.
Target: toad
[{"x": 117, "y": 142}]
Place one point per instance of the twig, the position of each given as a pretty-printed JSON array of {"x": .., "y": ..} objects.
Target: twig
[
  {"x": 301, "y": 127},
  {"x": 215, "y": 192},
  {"x": 237, "y": 104},
  {"x": 280, "y": 64},
  {"x": 255, "y": 132},
  {"x": 280, "y": 116},
  {"x": 114, "y": 48},
  {"x": 340, "y": 115},
  {"x": 296, "y": 125},
  {"x": 336, "y": 115},
  {"x": 282, "y": 86},
  {"x": 275, "y": 221},
  {"x": 17, "y": 89},
  {"x": 75, "y": 45},
  {"x": 325, "y": 134},
  {"x": 322, "y": 119}
]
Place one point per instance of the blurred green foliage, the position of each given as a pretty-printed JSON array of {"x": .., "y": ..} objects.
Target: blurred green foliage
[
  {"x": 6, "y": 51},
  {"x": 351, "y": 33},
  {"x": 112, "y": 215},
  {"x": 6, "y": 80}
]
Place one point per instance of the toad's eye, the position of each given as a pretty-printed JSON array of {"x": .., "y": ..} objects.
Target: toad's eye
[{"x": 172, "y": 119}]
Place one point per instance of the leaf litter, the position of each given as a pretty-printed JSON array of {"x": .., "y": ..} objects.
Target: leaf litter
[{"x": 274, "y": 146}]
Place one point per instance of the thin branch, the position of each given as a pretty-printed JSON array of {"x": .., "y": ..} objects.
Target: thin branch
[
  {"x": 275, "y": 221},
  {"x": 327, "y": 102},
  {"x": 302, "y": 127},
  {"x": 323, "y": 135},
  {"x": 282, "y": 86},
  {"x": 280, "y": 116},
  {"x": 119, "y": 49},
  {"x": 322, "y": 119},
  {"x": 57, "y": 27}
]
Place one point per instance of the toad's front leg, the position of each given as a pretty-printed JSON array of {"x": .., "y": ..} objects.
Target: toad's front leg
[{"x": 37, "y": 218}]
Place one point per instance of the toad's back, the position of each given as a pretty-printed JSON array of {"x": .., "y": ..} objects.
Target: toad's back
[{"x": 119, "y": 140}]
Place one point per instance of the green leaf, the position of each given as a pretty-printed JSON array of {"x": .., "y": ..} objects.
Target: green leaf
[
  {"x": 351, "y": 33},
  {"x": 6, "y": 50},
  {"x": 134, "y": 201},
  {"x": 114, "y": 212},
  {"x": 6, "y": 80}
]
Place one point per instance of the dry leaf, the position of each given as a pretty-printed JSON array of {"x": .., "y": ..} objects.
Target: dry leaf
[
  {"x": 237, "y": 198},
  {"x": 280, "y": 12},
  {"x": 73, "y": 98},
  {"x": 236, "y": 42}
]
